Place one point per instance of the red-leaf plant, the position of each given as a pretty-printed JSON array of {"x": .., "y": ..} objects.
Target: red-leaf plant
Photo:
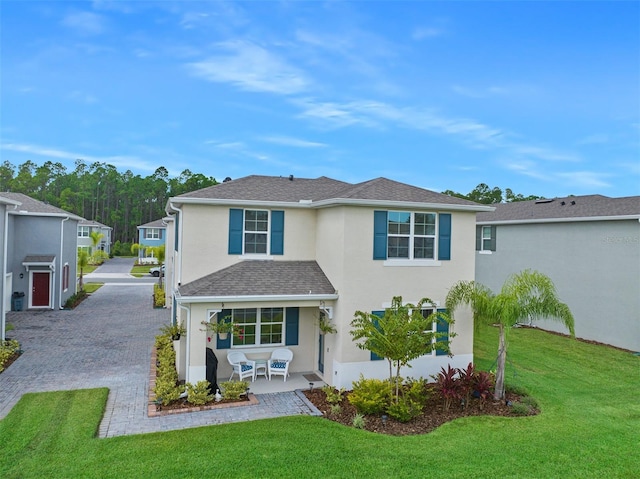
[
  {"x": 448, "y": 385},
  {"x": 483, "y": 384},
  {"x": 467, "y": 379}
]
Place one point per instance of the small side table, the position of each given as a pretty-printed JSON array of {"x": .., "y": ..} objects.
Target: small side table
[{"x": 261, "y": 367}]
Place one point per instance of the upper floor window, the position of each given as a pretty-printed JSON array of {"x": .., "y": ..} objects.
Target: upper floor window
[
  {"x": 152, "y": 233},
  {"x": 83, "y": 231},
  {"x": 485, "y": 238},
  {"x": 411, "y": 235},
  {"x": 256, "y": 231}
]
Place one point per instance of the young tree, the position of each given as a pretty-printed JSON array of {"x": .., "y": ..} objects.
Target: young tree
[
  {"x": 525, "y": 295},
  {"x": 83, "y": 261},
  {"x": 401, "y": 335}
]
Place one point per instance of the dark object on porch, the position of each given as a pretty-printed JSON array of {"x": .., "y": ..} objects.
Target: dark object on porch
[
  {"x": 17, "y": 301},
  {"x": 312, "y": 377},
  {"x": 212, "y": 371}
]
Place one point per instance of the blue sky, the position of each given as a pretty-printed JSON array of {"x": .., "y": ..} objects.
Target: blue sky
[{"x": 540, "y": 97}]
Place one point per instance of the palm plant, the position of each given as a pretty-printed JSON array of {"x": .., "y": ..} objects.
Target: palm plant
[
  {"x": 83, "y": 261},
  {"x": 525, "y": 295}
]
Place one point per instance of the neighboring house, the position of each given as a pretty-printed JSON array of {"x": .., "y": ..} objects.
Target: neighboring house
[
  {"x": 40, "y": 252},
  {"x": 85, "y": 227},
  {"x": 276, "y": 253},
  {"x": 588, "y": 245},
  {"x": 151, "y": 235}
]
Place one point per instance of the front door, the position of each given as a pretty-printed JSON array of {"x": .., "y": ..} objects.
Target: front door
[
  {"x": 40, "y": 289},
  {"x": 321, "y": 352}
]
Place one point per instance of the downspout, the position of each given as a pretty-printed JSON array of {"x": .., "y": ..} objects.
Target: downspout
[
  {"x": 3, "y": 311},
  {"x": 177, "y": 266},
  {"x": 61, "y": 268},
  {"x": 188, "y": 351}
]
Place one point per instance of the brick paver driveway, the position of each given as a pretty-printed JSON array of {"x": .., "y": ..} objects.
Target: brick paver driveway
[{"x": 106, "y": 342}]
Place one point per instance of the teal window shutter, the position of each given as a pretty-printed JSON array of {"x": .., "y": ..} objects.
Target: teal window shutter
[
  {"x": 478, "y": 238},
  {"x": 444, "y": 236},
  {"x": 380, "y": 314},
  {"x": 175, "y": 232},
  {"x": 277, "y": 232},
  {"x": 223, "y": 343},
  {"x": 441, "y": 327},
  {"x": 292, "y": 325},
  {"x": 379, "y": 235},
  {"x": 235, "y": 230}
]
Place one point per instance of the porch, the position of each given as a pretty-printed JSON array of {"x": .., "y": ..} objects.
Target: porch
[{"x": 295, "y": 381}]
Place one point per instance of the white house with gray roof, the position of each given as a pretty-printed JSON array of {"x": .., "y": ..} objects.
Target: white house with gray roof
[
  {"x": 277, "y": 253},
  {"x": 39, "y": 251},
  {"x": 85, "y": 228},
  {"x": 588, "y": 245}
]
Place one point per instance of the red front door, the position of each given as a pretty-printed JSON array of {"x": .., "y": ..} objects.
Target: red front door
[{"x": 40, "y": 289}]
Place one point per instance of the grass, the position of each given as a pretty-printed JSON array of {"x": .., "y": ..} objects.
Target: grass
[
  {"x": 589, "y": 427},
  {"x": 142, "y": 270},
  {"x": 92, "y": 287}
]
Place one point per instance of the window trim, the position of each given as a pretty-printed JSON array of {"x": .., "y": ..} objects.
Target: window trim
[
  {"x": 149, "y": 236},
  {"x": 82, "y": 230},
  {"x": 412, "y": 237},
  {"x": 212, "y": 315},
  {"x": 267, "y": 233}
]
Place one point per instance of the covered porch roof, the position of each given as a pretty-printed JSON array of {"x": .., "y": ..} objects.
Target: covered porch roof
[{"x": 260, "y": 280}]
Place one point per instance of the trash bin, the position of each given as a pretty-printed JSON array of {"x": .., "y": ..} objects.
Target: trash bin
[{"x": 17, "y": 301}]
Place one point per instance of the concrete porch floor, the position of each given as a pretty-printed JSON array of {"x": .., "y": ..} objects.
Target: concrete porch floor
[{"x": 295, "y": 381}]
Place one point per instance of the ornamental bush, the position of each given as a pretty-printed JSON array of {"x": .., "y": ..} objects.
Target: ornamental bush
[
  {"x": 198, "y": 393},
  {"x": 371, "y": 396},
  {"x": 7, "y": 350},
  {"x": 234, "y": 389}
]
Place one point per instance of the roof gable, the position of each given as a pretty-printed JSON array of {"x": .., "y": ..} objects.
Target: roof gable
[{"x": 33, "y": 206}]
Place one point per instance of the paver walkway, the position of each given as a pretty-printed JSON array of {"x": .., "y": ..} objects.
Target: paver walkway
[{"x": 106, "y": 342}]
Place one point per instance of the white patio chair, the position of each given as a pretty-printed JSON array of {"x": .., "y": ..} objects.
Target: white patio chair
[
  {"x": 279, "y": 362},
  {"x": 243, "y": 367}
]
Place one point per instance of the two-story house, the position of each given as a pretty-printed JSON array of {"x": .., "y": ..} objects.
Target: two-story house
[
  {"x": 85, "y": 242},
  {"x": 276, "y": 253},
  {"x": 40, "y": 252},
  {"x": 151, "y": 235},
  {"x": 590, "y": 248}
]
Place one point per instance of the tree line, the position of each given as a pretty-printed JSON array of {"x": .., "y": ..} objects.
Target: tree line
[{"x": 99, "y": 192}]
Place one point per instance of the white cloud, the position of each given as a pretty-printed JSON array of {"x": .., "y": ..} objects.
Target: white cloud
[
  {"x": 543, "y": 153},
  {"x": 295, "y": 142},
  {"x": 85, "y": 23},
  {"x": 83, "y": 97},
  {"x": 584, "y": 179},
  {"x": 251, "y": 67},
  {"x": 421, "y": 33}
]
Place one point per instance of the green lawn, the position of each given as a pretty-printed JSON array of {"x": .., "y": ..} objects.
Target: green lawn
[
  {"x": 142, "y": 270},
  {"x": 589, "y": 427}
]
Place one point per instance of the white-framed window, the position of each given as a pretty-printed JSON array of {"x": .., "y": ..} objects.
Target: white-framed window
[
  {"x": 84, "y": 231},
  {"x": 65, "y": 277},
  {"x": 411, "y": 235},
  {"x": 152, "y": 233},
  {"x": 256, "y": 231},
  {"x": 257, "y": 326},
  {"x": 486, "y": 238}
]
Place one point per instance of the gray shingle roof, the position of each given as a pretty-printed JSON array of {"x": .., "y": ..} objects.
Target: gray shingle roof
[
  {"x": 154, "y": 224},
  {"x": 571, "y": 207},
  {"x": 31, "y": 205},
  {"x": 262, "y": 278},
  {"x": 284, "y": 189},
  {"x": 86, "y": 222}
]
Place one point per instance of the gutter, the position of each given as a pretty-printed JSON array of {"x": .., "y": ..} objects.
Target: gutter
[
  {"x": 559, "y": 220},
  {"x": 5, "y": 239},
  {"x": 254, "y": 299},
  {"x": 61, "y": 269}
]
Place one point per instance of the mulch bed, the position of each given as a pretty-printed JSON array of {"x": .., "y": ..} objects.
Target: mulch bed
[{"x": 432, "y": 417}]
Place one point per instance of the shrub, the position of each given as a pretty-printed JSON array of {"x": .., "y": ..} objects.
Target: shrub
[
  {"x": 415, "y": 390},
  {"x": 333, "y": 395},
  {"x": 405, "y": 409},
  {"x": 520, "y": 409},
  {"x": 75, "y": 299},
  {"x": 518, "y": 390},
  {"x": 530, "y": 401},
  {"x": 371, "y": 396},
  {"x": 7, "y": 350},
  {"x": 336, "y": 409},
  {"x": 483, "y": 384},
  {"x": 158, "y": 296},
  {"x": 447, "y": 385},
  {"x": 198, "y": 394},
  {"x": 359, "y": 421},
  {"x": 467, "y": 377},
  {"x": 167, "y": 390},
  {"x": 234, "y": 389}
]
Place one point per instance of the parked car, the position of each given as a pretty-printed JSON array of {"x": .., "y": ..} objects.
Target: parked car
[{"x": 156, "y": 271}]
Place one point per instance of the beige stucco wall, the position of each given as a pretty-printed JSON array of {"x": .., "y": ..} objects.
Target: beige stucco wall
[{"x": 340, "y": 239}]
